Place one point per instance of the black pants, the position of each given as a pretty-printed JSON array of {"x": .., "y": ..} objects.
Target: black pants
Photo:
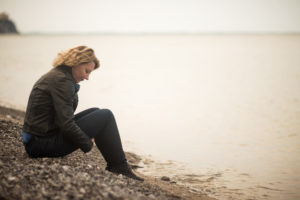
[{"x": 96, "y": 123}]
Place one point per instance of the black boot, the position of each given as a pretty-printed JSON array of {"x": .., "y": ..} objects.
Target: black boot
[{"x": 125, "y": 170}]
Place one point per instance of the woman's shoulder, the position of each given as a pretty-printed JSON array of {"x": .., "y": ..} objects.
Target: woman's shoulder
[
  {"x": 61, "y": 73},
  {"x": 55, "y": 78}
]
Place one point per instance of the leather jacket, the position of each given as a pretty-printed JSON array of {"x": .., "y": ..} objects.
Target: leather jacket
[{"x": 51, "y": 106}]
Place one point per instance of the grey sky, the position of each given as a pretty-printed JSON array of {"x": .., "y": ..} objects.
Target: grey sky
[{"x": 154, "y": 15}]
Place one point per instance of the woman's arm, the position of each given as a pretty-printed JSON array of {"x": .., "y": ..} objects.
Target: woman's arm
[{"x": 62, "y": 94}]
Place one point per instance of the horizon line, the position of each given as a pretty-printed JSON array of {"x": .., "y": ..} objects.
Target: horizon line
[{"x": 165, "y": 33}]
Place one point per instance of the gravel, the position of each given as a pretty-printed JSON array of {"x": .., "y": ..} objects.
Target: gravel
[{"x": 75, "y": 176}]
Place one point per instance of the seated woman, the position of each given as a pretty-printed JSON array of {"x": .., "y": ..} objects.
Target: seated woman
[{"x": 50, "y": 127}]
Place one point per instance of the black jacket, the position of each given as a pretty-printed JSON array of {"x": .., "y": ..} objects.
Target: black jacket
[{"x": 51, "y": 106}]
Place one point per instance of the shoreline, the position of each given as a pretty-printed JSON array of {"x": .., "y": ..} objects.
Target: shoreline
[{"x": 72, "y": 176}]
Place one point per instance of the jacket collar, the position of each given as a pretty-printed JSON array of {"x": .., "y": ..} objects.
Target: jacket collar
[{"x": 68, "y": 71}]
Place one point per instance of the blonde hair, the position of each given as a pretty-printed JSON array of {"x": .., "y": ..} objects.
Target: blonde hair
[{"x": 76, "y": 56}]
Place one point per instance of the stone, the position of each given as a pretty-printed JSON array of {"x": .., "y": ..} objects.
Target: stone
[
  {"x": 7, "y": 25},
  {"x": 75, "y": 176},
  {"x": 82, "y": 190},
  {"x": 165, "y": 178},
  {"x": 12, "y": 178},
  {"x": 207, "y": 190}
]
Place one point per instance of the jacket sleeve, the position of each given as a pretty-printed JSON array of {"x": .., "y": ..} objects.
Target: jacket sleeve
[
  {"x": 62, "y": 92},
  {"x": 75, "y": 102}
]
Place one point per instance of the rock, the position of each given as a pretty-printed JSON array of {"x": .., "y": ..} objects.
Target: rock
[
  {"x": 54, "y": 184},
  {"x": 40, "y": 167},
  {"x": 65, "y": 167},
  {"x": 12, "y": 178},
  {"x": 43, "y": 191},
  {"x": 165, "y": 178},
  {"x": 6, "y": 25},
  {"x": 89, "y": 166},
  {"x": 151, "y": 196},
  {"x": 75, "y": 176},
  {"x": 82, "y": 190}
]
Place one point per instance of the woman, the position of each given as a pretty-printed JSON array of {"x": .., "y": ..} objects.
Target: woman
[{"x": 50, "y": 127}]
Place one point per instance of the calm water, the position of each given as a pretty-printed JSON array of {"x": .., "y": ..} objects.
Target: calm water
[{"x": 219, "y": 113}]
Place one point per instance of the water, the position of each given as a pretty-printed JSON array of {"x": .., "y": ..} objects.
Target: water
[{"x": 219, "y": 113}]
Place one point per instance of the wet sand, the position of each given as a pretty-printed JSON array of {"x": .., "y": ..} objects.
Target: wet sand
[{"x": 76, "y": 176}]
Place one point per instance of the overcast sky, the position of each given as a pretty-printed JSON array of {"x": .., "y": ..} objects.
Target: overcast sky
[{"x": 154, "y": 15}]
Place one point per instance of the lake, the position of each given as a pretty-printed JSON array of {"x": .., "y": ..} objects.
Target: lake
[{"x": 217, "y": 113}]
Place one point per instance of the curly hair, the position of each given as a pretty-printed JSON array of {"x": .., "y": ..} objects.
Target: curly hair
[{"x": 76, "y": 56}]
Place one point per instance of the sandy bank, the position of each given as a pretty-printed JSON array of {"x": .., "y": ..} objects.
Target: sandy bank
[{"x": 76, "y": 176}]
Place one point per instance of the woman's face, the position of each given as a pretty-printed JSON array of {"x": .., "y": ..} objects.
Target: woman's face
[{"x": 81, "y": 72}]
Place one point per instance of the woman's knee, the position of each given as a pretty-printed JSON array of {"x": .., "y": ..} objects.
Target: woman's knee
[
  {"x": 108, "y": 113},
  {"x": 94, "y": 109}
]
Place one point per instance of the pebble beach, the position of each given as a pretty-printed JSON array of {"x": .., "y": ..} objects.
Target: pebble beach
[{"x": 76, "y": 176}]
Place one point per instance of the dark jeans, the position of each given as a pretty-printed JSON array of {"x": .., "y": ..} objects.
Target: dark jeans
[{"x": 96, "y": 123}]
